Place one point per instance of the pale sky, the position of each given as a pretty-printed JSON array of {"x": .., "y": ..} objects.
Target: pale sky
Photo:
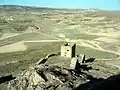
[{"x": 77, "y": 4}]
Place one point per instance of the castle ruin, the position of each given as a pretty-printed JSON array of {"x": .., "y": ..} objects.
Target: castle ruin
[{"x": 68, "y": 50}]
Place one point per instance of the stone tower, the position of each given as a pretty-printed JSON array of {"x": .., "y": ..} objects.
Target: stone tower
[{"x": 68, "y": 50}]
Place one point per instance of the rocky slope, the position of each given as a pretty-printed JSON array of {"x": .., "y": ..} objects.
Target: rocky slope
[{"x": 44, "y": 77}]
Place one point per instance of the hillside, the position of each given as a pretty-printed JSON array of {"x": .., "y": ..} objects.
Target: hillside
[{"x": 28, "y": 34}]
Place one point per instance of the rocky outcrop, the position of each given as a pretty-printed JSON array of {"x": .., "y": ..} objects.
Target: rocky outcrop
[
  {"x": 43, "y": 77},
  {"x": 48, "y": 77}
]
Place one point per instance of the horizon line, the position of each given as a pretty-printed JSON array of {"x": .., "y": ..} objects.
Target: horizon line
[{"x": 33, "y": 6}]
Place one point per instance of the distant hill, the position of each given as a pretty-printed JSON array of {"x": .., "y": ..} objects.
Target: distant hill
[
  {"x": 38, "y": 9},
  {"x": 23, "y": 8}
]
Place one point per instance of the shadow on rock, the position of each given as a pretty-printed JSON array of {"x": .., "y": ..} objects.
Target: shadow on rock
[
  {"x": 90, "y": 60},
  {"x": 6, "y": 78},
  {"x": 111, "y": 83},
  {"x": 86, "y": 67}
]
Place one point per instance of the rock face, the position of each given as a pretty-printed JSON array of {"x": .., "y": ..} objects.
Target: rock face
[{"x": 43, "y": 77}]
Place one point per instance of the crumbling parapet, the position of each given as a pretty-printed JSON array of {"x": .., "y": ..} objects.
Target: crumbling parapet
[
  {"x": 82, "y": 58},
  {"x": 73, "y": 63},
  {"x": 77, "y": 61},
  {"x": 43, "y": 60}
]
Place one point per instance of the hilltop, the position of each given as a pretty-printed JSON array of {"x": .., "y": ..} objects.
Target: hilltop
[{"x": 28, "y": 34}]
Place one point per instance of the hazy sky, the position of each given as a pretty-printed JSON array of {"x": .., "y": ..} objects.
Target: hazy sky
[{"x": 99, "y": 4}]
